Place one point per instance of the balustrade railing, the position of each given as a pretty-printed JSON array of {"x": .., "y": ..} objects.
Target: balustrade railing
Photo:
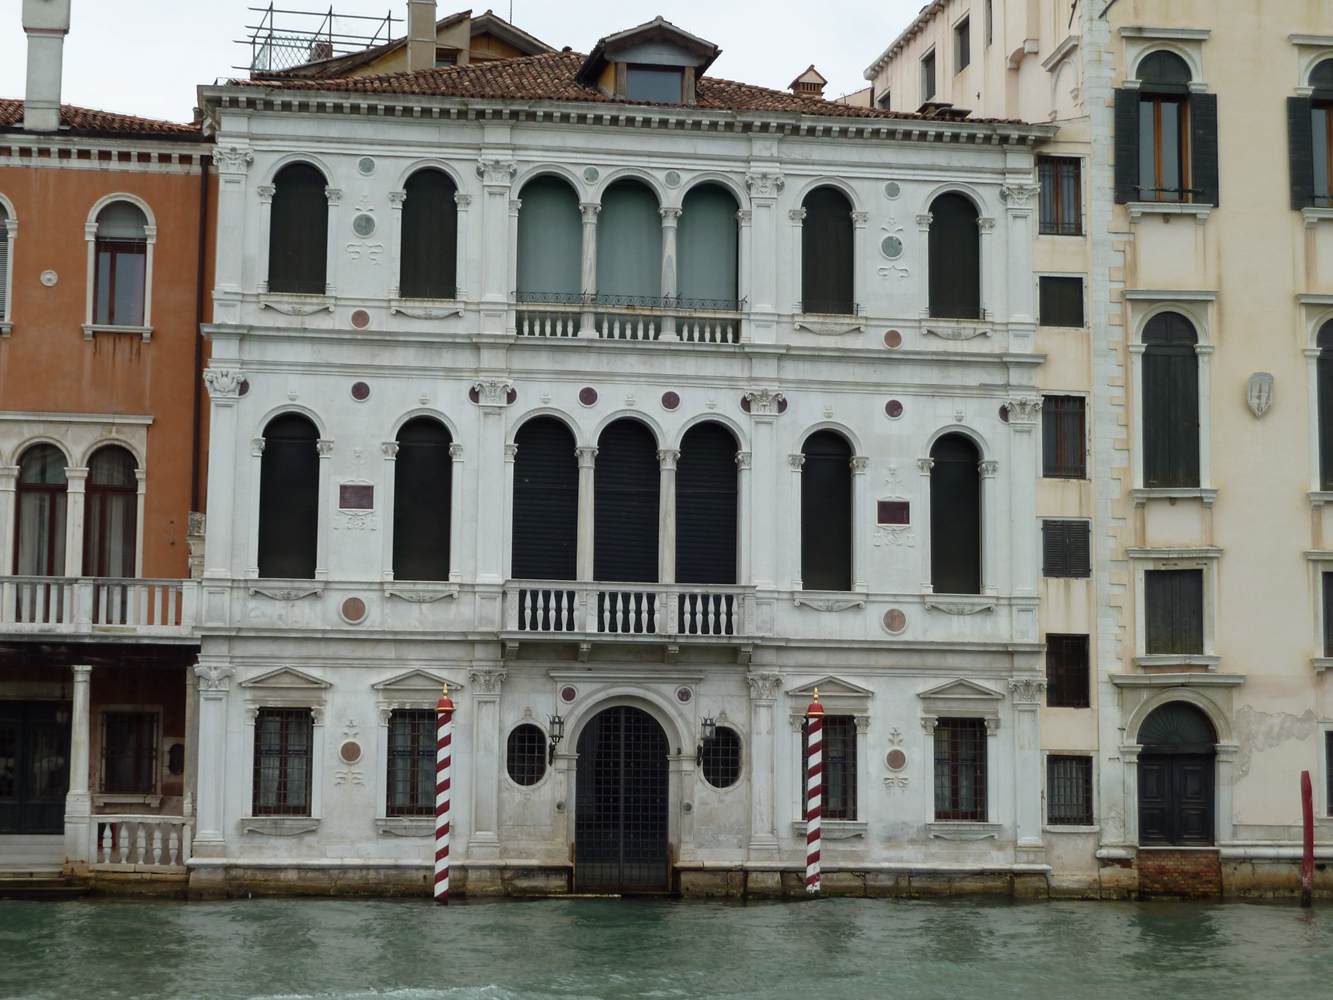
[
  {"x": 648, "y": 609},
  {"x": 627, "y": 317},
  {"x": 85, "y": 604},
  {"x": 139, "y": 841}
]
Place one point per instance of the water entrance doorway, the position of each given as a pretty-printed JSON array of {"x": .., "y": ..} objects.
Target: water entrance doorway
[
  {"x": 34, "y": 766},
  {"x": 620, "y": 825},
  {"x": 1177, "y": 768}
]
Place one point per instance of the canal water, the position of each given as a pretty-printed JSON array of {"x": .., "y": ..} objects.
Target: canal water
[{"x": 576, "y": 949}]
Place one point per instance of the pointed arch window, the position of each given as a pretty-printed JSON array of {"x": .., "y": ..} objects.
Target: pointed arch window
[
  {"x": 298, "y": 235},
  {"x": 826, "y": 512},
  {"x": 289, "y": 499},
  {"x": 625, "y": 505},
  {"x": 550, "y": 242},
  {"x": 955, "y": 516},
  {"x": 429, "y": 253},
  {"x": 110, "y": 518},
  {"x": 422, "y": 492},
  {"x": 546, "y": 502},
  {"x": 40, "y": 525},
  {"x": 1170, "y": 402},
  {"x": 954, "y": 258},
  {"x": 121, "y": 269},
  {"x": 827, "y": 256}
]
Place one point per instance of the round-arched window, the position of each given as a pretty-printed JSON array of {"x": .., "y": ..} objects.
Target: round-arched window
[
  {"x": 526, "y": 754},
  {"x": 721, "y": 762}
]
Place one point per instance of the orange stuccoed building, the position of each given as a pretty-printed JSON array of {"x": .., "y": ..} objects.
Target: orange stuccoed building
[{"x": 106, "y": 222}]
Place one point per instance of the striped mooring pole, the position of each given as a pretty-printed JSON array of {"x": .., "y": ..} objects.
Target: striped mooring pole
[
  {"x": 444, "y": 737},
  {"x": 814, "y": 790}
]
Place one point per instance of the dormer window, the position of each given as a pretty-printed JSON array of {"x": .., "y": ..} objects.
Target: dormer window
[{"x": 655, "y": 84}]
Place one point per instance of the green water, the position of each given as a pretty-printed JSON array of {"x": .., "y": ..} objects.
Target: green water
[{"x": 592, "y": 948}]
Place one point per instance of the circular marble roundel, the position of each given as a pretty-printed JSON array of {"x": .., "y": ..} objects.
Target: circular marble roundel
[
  {"x": 366, "y": 165},
  {"x": 350, "y": 752},
  {"x": 360, "y": 319},
  {"x": 1004, "y": 413},
  {"x": 588, "y": 396},
  {"x": 672, "y": 178},
  {"x": 568, "y": 693},
  {"x": 894, "y": 408},
  {"x": 895, "y": 759},
  {"x": 363, "y": 224},
  {"x": 891, "y": 247},
  {"x": 893, "y": 340},
  {"x": 360, "y": 391},
  {"x": 683, "y": 695},
  {"x": 895, "y": 620},
  {"x": 892, "y": 189},
  {"x": 591, "y": 174},
  {"x": 353, "y": 610},
  {"x": 670, "y": 400},
  {"x": 243, "y": 388},
  {"x": 49, "y": 278}
]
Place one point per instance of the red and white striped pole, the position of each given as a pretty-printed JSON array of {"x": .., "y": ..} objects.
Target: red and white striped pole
[
  {"x": 814, "y": 790},
  {"x": 444, "y": 737}
]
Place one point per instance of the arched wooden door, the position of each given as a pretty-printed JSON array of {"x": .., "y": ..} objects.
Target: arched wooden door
[
  {"x": 1177, "y": 777},
  {"x": 620, "y": 823}
]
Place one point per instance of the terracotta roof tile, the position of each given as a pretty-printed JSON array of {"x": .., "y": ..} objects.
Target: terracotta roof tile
[
  {"x": 551, "y": 77},
  {"x": 87, "y": 121}
]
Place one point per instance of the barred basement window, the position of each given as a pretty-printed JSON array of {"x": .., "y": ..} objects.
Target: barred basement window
[
  {"x": 284, "y": 745},
  {"x": 1069, "y": 791},
  {"x": 1066, "y": 549},
  {"x": 960, "y": 770},
  {"x": 129, "y": 753},
  {"x": 721, "y": 761},
  {"x": 839, "y": 766},
  {"x": 1064, "y": 437},
  {"x": 1067, "y": 671},
  {"x": 1173, "y": 609},
  {"x": 525, "y": 754},
  {"x": 1061, "y": 195},
  {"x": 411, "y": 775},
  {"x": 1061, "y": 301}
]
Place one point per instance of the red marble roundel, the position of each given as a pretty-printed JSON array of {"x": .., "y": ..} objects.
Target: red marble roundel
[
  {"x": 670, "y": 400},
  {"x": 893, "y": 340},
  {"x": 350, "y": 752},
  {"x": 474, "y": 395},
  {"x": 895, "y": 620},
  {"x": 893, "y": 408},
  {"x": 568, "y": 693},
  {"x": 354, "y": 610},
  {"x": 588, "y": 396},
  {"x": 896, "y": 759},
  {"x": 360, "y": 319},
  {"x": 360, "y": 391}
]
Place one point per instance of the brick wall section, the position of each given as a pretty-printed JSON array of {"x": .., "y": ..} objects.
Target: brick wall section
[{"x": 1171, "y": 872}]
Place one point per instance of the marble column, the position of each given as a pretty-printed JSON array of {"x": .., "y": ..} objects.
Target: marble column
[
  {"x": 484, "y": 839},
  {"x": 493, "y": 397},
  {"x": 456, "y": 532},
  {"x": 589, "y": 210},
  {"x": 993, "y": 540},
  {"x": 861, "y": 515},
  {"x": 387, "y": 493},
  {"x": 224, "y": 385},
  {"x": 764, "y": 689},
  {"x": 8, "y": 514},
  {"x": 744, "y": 517},
  {"x": 796, "y": 463},
  {"x": 75, "y": 494},
  {"x": 1024, "y": 414},
  {"x": 1025, "y": 695},
  {"x": 587, "y": 470},
  {"x": 214, "y": 681},
  {"x": 78, "y": 800},
  {"x": 670, "y": 227},
  {"x": 327, "y": 502},
  {"x": 497, "y": 178},
  {"x": 666, "y": 516}
]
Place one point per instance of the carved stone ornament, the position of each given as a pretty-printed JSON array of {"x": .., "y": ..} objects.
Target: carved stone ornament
[
  {"x": 958, "y": 333},
  {"x": 213, "y": 676},
  {"x": 988, "y": 469},
  {"x": 827, "y": 604},
  {"x": 487, "y": 681},
  {"x": 765, "y": 403},
  {"x": 1259, "y": 393},
  {"x": 223, "y": 382},
  {"x": 496, "y": 171},
  {"x": 765, "y": 185},
  {"x": 274, "y": 594},
  {"x": 356, "y": 520},
  {"x": 1026, "y": 690},
  {"x": 233, "y": 159},
  {"x": 297, "y": 308},
  {"x": 833, "y": 328},
  {"x": 495, "y": 392},
  {"x": 421, "y": 596},
  {"x": 426, "y": 312},
  {"x": 1018, "y": 195},
  {"x": 1024, "y": 409},
  {"x": 895, "y": 535},
  {"x": 959, "y": 608},
  {"x": 764, "y": 687}
]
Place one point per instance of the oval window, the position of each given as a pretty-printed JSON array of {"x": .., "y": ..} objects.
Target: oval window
[
  {"x": 722, "y": 758},
  {"x": 526, "y": 757}
]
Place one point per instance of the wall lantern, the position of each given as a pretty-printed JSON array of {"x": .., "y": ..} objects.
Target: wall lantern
[
  {"x": 707, "y": 730},
  {"x": 556, "y": 732}
]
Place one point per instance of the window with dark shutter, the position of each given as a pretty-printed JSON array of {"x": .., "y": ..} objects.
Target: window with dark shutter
[
  {"x": 1301, "y": 119},
  {"x": 1064, "y": 447},
  {"x": 1327, "y": 580},
  {"x": 625, "y": 504},
  {"x": 928, "y": 77},
  {"x": 1324, "y": 377},
  {"x": 423, "y": 474},
  {"x": 1068, "y": 790},
  {"x": 962, "y": 44},
  {"x": 289, "y": 498},
  {"x": 954, "y": 258},
  {"x": 1172, "y": 152},
  {"x": 1126, "y": 146},
  {"x": 826, "y": 253},
  {"x": 960, "y": 770},
  {"x": 1061, "y": 195},
  {"x": 1061, "y": 301},
  {"x": 706, "y": 506},
  {"x": 1170, "y": 403},
  {"x": 955, "y": 516},
  {"x": 298, "y": 233},
  {"x": 1067, "y": 671},
  {"x": 1318, "y": 109},
  {"x": 129, "y": 752},
  {"x": 1173, "y": 611},
  {"x": 430, "y": 237},
  {"x": 1065, "y": 549},
  {"x": 546, "y": 502},
  {"x": 1328, "y": 771},
  {"x": 826, "y": 512},
  {"x": 1202, "y": 150}
]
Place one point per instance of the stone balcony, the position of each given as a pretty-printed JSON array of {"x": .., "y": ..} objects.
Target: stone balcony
[{"x": 101, "y": 608}]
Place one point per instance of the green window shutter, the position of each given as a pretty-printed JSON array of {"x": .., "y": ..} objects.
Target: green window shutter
[
  {"x": 1300, "y": 148},
  {"x": 1126, "y": 146},
  {"x": 1203, "y": 138}
]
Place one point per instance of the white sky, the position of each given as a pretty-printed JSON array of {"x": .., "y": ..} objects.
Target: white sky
[{"x": 146, "y": 57}]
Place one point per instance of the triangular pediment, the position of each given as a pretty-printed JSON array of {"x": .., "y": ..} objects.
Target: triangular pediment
[
  {"x": 286, "y": 678},
  {"x": 831, "y": 687},
  {"x": 417, "y": 680},
  {"x": 961, "y": 690}
]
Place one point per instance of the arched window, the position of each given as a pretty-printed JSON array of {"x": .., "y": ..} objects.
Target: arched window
[
  {"x": 706, "y": 506},
  {"x": 525, "y": 754},
  {"x": 110, "y": 516},
  {"x": 1163, "y": 126},
  {"x": 546, "y": 502},
  {"x": 422, "y": 482},
  {"x": 428, "y": 268},
  {"x": 625, "y": 504},
  {"x": 629, "y": 245},
  {"x": 1318, "y": 110},
  {"x": 298, "y": 234},
  {"x": 827, "y": 285},
  {"x": 955, "y": 516},
  {"x": 826, "y": 512},
  {"x": 707, "y": 249},
  {"x": 122, "y": 265},
  {"x": 550, "y": 242},
  {"x": 1325, "y": 370},
  {"x": 289, "y": 499},
  {"x": 40, "y": 548},
  {"x": 1170, "y": 402},
  {"x": 955, "y": 258},
  {"x": 6, "y": 238}
]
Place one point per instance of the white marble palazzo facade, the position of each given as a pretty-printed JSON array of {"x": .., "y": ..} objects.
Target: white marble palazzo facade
[{"x": 890, "y": 651}]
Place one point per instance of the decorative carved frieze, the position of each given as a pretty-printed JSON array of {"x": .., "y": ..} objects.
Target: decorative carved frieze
[
  {"x": 765, "y": 185},
  {"x": 496, "y": 171},
  {"x": 233, "y": 159},
  {"x": 765, "y": 402},
  {"x": 958, "y": 333},
  {"x": 487, "y": 680},
  {"x": 284, "y": 594},
  {"x": 827, "y": 605},
  {"x": 223, "y": 383},
  {"x": 764, "y": 687},
  {"x": 1026, "y": 690}
]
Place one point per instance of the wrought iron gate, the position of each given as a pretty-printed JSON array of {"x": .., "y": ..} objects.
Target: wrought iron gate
[{"x": 620, "y": 828}]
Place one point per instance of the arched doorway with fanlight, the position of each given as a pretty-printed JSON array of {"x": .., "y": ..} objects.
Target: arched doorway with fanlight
[
  {"x": 1177, "y": 777},
  {"x": 622, "y": 803}
]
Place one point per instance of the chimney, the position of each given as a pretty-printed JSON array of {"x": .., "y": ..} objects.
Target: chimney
[
  {"x": 420, "y": 34},
  {"x": 809, "y": 84},
  {"x": 46, "y": 22}
]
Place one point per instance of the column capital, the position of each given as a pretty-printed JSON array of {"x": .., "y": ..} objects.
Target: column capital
[
  {"x": 511, "y": 452},
  {"x": 1026, "y": 691},
  {"x": 1024, "y": 411},
  {"x": 233, "y": 159},
  {"x": 925, "y": 465},
  {"x": 1018, "y": 196},
  {"x": 9, "y": 475},
  {"x": 985, "y": 225},
  {"x": 796, "y": 215},
  {"x": 75, "y": 478},
  {"x": 333, "y": 194},
  {"x": 859, "y": 464},
  {"x": 763, "y": 686},
  {"x": 515, "y": 206},
  {"x": 589, "y": 210},
  {"x": 743, "y": 460},
  {"x": 989, "y": 468},
  {"x": 859, "y": 219},
  {"x": 213, "y": 676},
  {"x": 667, "y": 458},
  {"x": 223, "y": 382},
  {"x": 390, "y": 449},
  {"x": 82, "y": 672},
  {"x": 325, "y": 447},
  {"x": 796, "y": 461},
  {"x": 257, "y": 446},
  {"x": 487, "y": 680},
  {"x": 463, "y": 200},
  {"x": 765, "y": 185},
  {"x": 670, "y": 216},
  {"x": 924, "y": 220},
  {"x": 496, "y": 172},
  {"x": 456, "y": 451},
  {"x": 265, "y": 192},
  {"x": 396, "y": 199},
  {"x": 587, "y": 455},
  {"x": 744, "y": 216},
  {"x": 493, "y": 393}
]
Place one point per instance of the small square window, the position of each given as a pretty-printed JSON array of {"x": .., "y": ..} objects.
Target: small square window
[
  {"x": 1064, "y": 445},
  {"x": 962, "y": 44},
  {"x": 1061, "y": 301},
  {"x": 1066, "y": 549},
  {"x": 884, "y": 100},
  {"x": 1068, "y": 790},
  {"x": 1173, "y": 612},
  {"x": 655, "y": 84},
  {"x": 129, "y": 753},
  {"x": 1067, "y": 671},
  {"x": 928, "y": 77}
]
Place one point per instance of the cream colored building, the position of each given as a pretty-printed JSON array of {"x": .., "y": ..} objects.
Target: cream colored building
[{"x": 1188, "y": 191}]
